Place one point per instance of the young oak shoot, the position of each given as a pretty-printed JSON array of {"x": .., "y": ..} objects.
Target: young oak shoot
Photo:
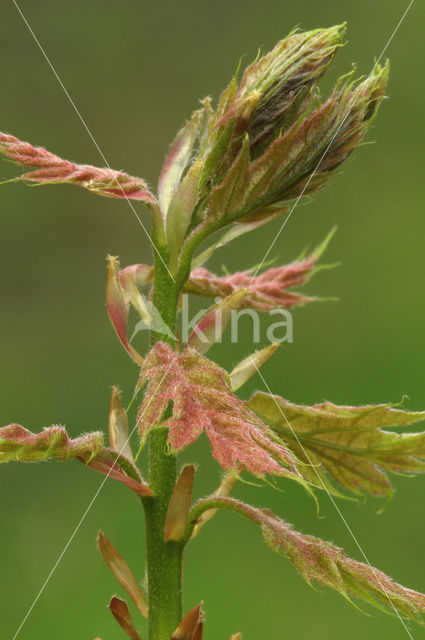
[{"x": 270, "y": 139}]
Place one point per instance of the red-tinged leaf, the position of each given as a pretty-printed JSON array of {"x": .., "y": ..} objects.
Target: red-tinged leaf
[
  {"x": 179, "y": 505},
  {"x": 269, "y": 290},
  {"x": 117, "y": 467},
  {"x": 20, "y": 444},
  {"x": 214, "y": 322},
  {"x": 52, "y": 169},
  {"x": 203, "y": 401},
  {"x": 118, "y": 426},
  {"x": 177, "y": 160},
  {"x": 284, "y": 76},
  {"x": 123, "y": 573},
  {"x": 122, "y": 615},
  {"x": 190, "y": 628},
  {"x": 346, "y": 443},
  {"x": 118, "y": 306},
  {"x": 325, "y": 563},
  {"x": 300, "y": 161}
]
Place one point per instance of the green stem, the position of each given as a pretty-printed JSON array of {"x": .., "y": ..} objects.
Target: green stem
[{"x": 164, "y": 559}]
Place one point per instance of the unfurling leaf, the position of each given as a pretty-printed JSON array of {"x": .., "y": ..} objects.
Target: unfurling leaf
[
  {"x": 122, "y": 292},
  {"x": 203, "y": 401},
  {"x": 346, "y": 443},
  {"x": 190, "y": 628},
  {"x": 239, "y": 228},
  {"x": 19, "y": 444},
  {"x": 118, "y": 306},
  {"x": 179, "y": 505},
  {"x": 272, "y": 139},
  {"x": 122, "y": 615},
  {"x": 271, "y": 92},
  {"x": 323, "y": 562},
  {"x": 215, "y": 320},
  {"x": 269, "y": 290},
  {"x": 118, "y": 426},
  {"x": 250, "y": 365},
  {"x": 123, "y": 573},
  {"x": 236, "y": 636},
  {"x": 49, "y": 168},
  {"x": 177, "y": 160},
  {"x": 180, "y": 212}
]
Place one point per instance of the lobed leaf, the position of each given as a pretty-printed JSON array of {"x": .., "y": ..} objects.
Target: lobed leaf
[
  {"x": 269, "y": 290},
  {"x": 202, "y": 400},
  {"x": 346, "y": 443}
]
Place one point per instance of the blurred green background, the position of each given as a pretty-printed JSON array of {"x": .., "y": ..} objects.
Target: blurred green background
[{"x": 136, "y": 70}]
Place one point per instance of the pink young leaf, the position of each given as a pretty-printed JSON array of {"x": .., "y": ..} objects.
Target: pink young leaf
[
  {"x": 50, "y": 168},
  {"x": 323, "y": 562},
  {"x": 269, "y": 290},
  {"x": 202, "y": 400},
  {"x": 118, "y": 306}
]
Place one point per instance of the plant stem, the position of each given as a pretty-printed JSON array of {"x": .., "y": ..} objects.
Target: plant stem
[{"x": 164, "y": 559}]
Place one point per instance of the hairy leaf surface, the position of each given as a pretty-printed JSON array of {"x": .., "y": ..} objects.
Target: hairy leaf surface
[
  {"x": 202, "y": 400},
  {"x": 346, "y": 443}
]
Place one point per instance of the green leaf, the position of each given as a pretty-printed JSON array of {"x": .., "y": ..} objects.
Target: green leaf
[
  {"x": 177, "y": 160},
  {"x": 20, "y": 444},
  {"x": 180, "y": 211},
  {"x": 346, "y": 443}
]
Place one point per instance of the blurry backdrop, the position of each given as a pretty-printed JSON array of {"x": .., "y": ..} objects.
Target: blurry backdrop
[{"x": 136, "y": 69}]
